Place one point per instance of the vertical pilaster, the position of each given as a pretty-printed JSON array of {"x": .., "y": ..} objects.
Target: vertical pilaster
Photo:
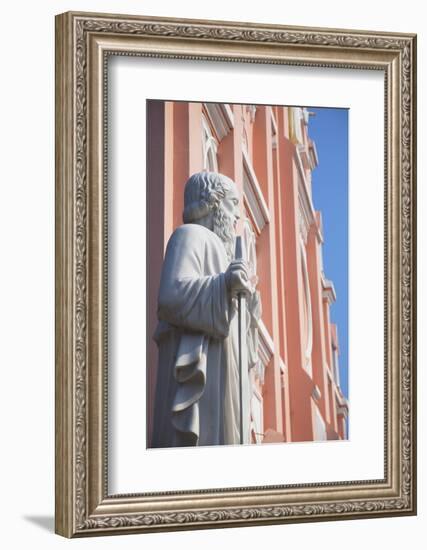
[
  {"x": 181, "y": 156},
  {"x": 230, "y": 156},
  {"x": 263, "y": 166},
  {"x": 328, "y": 340},
  {"x": 319, "y": 361},
  {"x": 300, "y": 383},
  {"x": 195, "y": 152}
]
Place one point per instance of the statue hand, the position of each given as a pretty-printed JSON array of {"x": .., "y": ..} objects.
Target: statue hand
[{"x": 237, "y": 277}]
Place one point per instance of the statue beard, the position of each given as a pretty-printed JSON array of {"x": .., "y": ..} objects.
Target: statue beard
[{"x": 223, "y": 226}]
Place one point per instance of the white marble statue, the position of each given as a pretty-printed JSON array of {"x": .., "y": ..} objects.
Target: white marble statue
[{"x": 197, "y": 392}]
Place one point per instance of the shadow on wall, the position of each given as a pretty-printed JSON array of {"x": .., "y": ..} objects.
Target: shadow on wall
[{"x": 45, "y": 522}]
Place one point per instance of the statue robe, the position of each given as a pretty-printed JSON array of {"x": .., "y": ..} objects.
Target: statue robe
[{"x": 197, "y": 390}]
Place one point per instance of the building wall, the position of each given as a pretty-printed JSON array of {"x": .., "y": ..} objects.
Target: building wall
[{"x": 267, "y": 151}]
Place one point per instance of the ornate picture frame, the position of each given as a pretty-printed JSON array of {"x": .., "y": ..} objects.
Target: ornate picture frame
[{"x": 84, "y": 43}]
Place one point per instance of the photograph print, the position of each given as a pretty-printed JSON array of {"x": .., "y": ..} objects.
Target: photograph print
[{"x": 247, "y": 239}]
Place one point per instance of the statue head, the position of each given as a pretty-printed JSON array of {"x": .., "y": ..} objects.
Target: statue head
[{"x": 211, "y": 200}]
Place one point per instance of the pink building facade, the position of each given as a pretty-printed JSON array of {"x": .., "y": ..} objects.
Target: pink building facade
[{"x": 267, "y": 151}]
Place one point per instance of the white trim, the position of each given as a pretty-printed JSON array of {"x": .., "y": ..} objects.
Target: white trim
[
  {"x": 265, "y": 343},
  {"x": 274, "y": 128},
  {"x": 253, "y": 195},
  {"x": 305, "y": 115},
  {"x": 342, "y": 403},
  {"x": 303, "y": 187},
  {"x": 250, "y": 254},
  {"x": 304, "y": 156},
  {"x": 312, "y": 149},
  {"x": 342, "y": 411},
  {"x": 335, "y": 366},
  {"x": 210, "y": 147},
  {"x": 273, "y": 121},
  {"x": 319, "y": 426},
  {"x": 251, "y": 109},
  {"x": 306, "y": 208},
  {"x": 316, "y": 394},
  {"x": 257, "y": 413},
  {"x": 309, "y": 313},
  {"x": 328, "y": 290},
  {"x": 265, "y": 350},
  {"x": 303, "y": 222},
  {"x": 295, "y": 129},
  {"x": 228, "y": 113},
  {"x": 221, "y": 116}
]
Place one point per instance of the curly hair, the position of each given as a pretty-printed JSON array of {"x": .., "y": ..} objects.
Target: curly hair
[{"x": 203, "y": 194}]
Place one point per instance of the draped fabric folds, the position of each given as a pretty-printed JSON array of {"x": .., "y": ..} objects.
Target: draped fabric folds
[{"x": 197, "y": 379}]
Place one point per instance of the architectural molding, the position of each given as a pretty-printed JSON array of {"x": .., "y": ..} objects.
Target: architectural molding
[
  {"x": 307, "y": 213},
  {"x": 304, "y": 224},
  {"x": 253, "y": 195},
  {"x": 304, "y": 156},
  {"x": 274, "y": 128},
  {"x": 342, "y": 411},
  {"x": 328, "y": 290},
  {"x": 313, "y": 154},
  {"x": 222, "y": 118},
  {"x": 308, "y": 310},
  {"x": 342, "y": 401},
  {"x": 295, "y": 126},
  {"x": 257, "y": 421},
  {"x": 251, "y": 109},
  {"x": 265, "y": 349},
  {"x": 308, "y": 155},
  {"x": 210, "y": 147},
  {"x": 316, "y": 393}
]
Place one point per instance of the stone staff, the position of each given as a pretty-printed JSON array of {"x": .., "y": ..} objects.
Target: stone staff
[{"x": 243, "y": 353}]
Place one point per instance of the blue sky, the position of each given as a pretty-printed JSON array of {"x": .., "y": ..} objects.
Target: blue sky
[{"x": 329, "y": 130}]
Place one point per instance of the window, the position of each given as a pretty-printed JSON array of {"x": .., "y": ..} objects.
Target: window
[{"x": 210, "y": 148}]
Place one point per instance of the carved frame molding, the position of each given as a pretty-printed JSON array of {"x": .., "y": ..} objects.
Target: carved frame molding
[{"x": 83, "y": 43}]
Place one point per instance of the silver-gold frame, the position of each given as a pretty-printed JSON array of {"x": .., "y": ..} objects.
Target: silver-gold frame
[{"x": 83, "y": 43}]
